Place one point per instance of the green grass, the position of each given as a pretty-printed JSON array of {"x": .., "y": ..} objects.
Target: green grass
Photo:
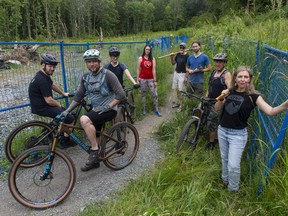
[{"x": 190, "y": 184}]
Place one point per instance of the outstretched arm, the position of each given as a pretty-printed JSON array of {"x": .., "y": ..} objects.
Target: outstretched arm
[{"x": 271, "y": 111}]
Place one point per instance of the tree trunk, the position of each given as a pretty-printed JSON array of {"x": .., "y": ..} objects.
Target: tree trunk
[{"x": 47, "y": 19}]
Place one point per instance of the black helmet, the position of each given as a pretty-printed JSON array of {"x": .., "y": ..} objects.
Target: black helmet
[
  {"x": 221, "y": 57},
  {"x": 114, "y": 50},
  {"x": 49, "y": 60}
]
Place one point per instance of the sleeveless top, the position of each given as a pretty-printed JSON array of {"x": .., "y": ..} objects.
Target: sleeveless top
[
  {"x": 216, "y": 84},
  {"x": 146, "y": 69}
]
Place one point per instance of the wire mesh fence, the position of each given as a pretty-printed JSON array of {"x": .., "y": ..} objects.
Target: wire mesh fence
[
  {"x": 19, "y": 62},
  {"x": 270, "y": 71}
]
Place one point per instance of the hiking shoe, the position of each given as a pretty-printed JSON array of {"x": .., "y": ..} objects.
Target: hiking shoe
[
  {"x": 93, "y": 157},
  {"x": 65, "y": 142},
  {"x": 158, "y": 113},
  {"x": 89, "y": 167},
  {"x": 175, "y": 105}
]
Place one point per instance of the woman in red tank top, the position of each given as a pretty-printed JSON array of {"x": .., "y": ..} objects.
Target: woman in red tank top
[{"x": 146, "y": 76}]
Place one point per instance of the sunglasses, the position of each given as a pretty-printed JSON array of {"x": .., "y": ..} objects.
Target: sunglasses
[
  {"x": 182, "y": 47},
  {"x": 114, "y": 54}
]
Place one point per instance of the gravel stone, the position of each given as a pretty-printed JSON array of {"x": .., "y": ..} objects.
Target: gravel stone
[{"x": 95, "y": 185}]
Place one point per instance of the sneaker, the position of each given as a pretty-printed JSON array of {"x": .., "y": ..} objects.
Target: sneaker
[
  {"x": 93, "y": 157},
  {"x": 158, "y": 113},
  {"x": 175, "y": 105},
  {"x": 89, "y": 167},
  {"x": 65, "y": 142},
  {"x": 144, "y": 111}
]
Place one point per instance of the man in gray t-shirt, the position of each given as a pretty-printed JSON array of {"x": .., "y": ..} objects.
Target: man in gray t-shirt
[{"x": 104, "y": 92}]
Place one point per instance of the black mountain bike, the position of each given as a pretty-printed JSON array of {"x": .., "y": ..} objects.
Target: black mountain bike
[
  {"x": 33, "y": 133},
  {"x": 126, "y": 110},
  {"x": 195, "y": 125},
  {"x": 50, "y": 174}
]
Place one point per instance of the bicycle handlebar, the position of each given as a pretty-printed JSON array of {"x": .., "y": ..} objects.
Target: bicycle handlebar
[
  {"x": 135, "y": 86},
  {"x": 206, "y": 99}
]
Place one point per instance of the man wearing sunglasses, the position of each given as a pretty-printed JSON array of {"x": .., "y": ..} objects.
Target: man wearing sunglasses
[
  {"x": 180, "y": 60},
  {"x": 118, "y": 68}
]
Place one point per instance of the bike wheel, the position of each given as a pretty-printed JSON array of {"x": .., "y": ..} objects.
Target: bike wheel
[
  {"x": 121, "y": 115},
  {"x": 132, "y": 107},
  {"x": 30, "y": 190},
  {"x": 188, "y": 136},
  {"x": 27, "y": 135},
  {"x": 121, "y": 148}
]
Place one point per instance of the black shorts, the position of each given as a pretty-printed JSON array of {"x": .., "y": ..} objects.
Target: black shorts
[
  {"x": 99, "y": 119},
  {"x": 52, "y": 112}
]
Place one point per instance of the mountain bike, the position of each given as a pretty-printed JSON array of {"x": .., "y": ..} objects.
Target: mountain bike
[
  {"x": 33, "y": 133},
  {"x": 196, "y": 123},
  {"x": 126, "y": 110},
  {"x": 52, "y": 174}
]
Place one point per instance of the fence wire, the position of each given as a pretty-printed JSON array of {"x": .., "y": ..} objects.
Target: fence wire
[{"x": 270, "y": 72}]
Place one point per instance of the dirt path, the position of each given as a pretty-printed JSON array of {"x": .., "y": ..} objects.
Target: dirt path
[{"x": 99, "y": 184}]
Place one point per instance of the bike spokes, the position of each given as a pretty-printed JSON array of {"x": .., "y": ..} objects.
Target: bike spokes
[{"x": 122, "y": 149}]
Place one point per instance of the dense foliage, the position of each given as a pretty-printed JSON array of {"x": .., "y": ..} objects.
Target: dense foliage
[{"x": 55, "y": 19}]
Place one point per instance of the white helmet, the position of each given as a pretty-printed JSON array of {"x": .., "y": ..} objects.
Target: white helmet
[{"x": 92, "y": 54}]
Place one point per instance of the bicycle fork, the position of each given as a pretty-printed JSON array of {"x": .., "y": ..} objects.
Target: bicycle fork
[
  {"x": 48, "y": 174},
  {"x": 195, "y": 138}
]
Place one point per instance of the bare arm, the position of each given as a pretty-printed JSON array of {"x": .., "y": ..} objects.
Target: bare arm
[
  {"x": 228, "y": 79},
  {"x": 127, "y": 72},
  {"x": 52, "y": 102},
  {"x": 271, "y": 111},
  {"x": 154, "y": 70},
  {"x": 58, "y": 90},
  {"x": 138, "y": 68},
  {"x": 172, "y": 58},
  {"x": 207, "y": 69}
]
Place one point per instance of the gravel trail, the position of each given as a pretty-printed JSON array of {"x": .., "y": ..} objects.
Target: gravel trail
[{"x": 98, "y": 184}]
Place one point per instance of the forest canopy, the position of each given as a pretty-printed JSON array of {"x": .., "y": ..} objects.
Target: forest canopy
[{"x": 55, "y": 19}]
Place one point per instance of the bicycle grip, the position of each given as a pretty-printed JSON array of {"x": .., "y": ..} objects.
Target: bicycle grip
[{"x": 220, "y": 97}]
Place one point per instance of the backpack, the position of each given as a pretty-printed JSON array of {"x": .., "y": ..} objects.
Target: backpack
[{"x": 103, "y": 86}]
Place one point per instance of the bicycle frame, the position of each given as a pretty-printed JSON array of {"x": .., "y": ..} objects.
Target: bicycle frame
[{"x": 127, "y": 106}]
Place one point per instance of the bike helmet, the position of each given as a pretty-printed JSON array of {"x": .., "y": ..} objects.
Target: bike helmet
[
  {"x": 183, "y": 44},
  {"x": 221, "y": 57},
  {"x": 92, "y": 54},
  {"x": 49, "y": 60},
  {"x": 114, "y": 50}
]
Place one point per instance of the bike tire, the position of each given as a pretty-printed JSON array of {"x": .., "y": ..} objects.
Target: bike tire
[
  {"x": 25, "y": 136},
  {"x": 132, "y": 107},
  {"x": 118, "y": 155},
  {"x": 188, "y": 137},
  {"x": 28, "y": 189},
  {"x": 121, "y": 115}
]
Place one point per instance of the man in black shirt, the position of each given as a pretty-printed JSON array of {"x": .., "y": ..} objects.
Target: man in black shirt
[
  {"x": 41, "y": 95},
  {"x": 179, "y": 75}
]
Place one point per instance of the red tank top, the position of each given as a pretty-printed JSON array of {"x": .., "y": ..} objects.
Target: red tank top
[{"x": 146, "y": 69}]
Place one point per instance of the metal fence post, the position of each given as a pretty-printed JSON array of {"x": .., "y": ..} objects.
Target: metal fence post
[{"x": 63, "y": 70}]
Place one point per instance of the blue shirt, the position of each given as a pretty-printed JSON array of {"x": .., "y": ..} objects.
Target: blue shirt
[{"x": 193, "y": 62}]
